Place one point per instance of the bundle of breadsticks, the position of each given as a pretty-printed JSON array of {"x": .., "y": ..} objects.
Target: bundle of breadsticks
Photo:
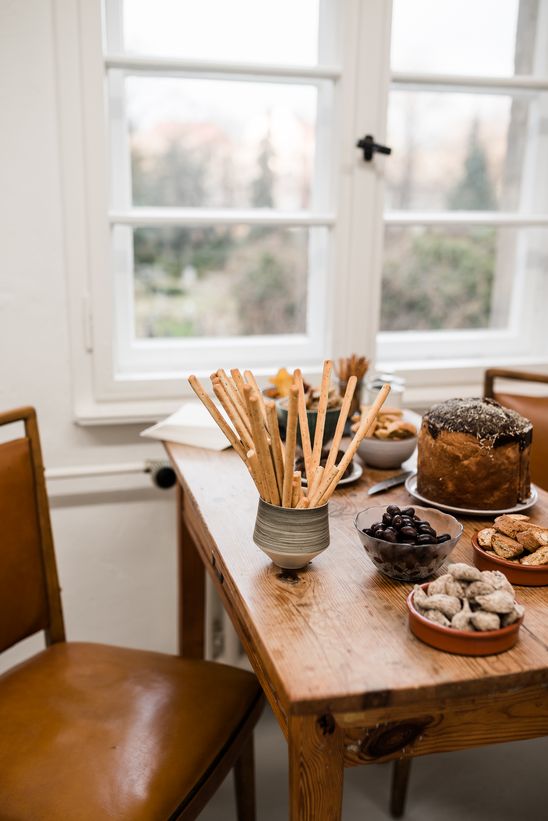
[
  {"x": 255, "y": 436},
  {"x": 352, "y": 366}
]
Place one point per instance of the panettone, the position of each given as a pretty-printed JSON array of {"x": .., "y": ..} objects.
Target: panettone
[{"x": 473, "y": 453}]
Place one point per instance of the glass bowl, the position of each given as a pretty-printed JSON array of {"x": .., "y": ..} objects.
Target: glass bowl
[{"x": 408, "y": 562}]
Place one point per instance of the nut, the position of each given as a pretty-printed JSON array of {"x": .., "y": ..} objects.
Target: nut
[
  {"x": 485, "y": 621},
  {"x": 464, "y": 572},
  {"x": 500, "y": 601}
]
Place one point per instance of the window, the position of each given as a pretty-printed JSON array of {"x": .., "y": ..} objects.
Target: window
[
  {"x": 220, "y": 181},
  {"x": 221, "y": 214},
  {"x": 466, "y": 225}
]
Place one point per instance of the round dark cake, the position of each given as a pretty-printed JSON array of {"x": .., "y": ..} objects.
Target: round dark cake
[{"x": 473, "y": 453}]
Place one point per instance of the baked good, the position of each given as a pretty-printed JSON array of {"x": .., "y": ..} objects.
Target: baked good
[{"x": 473, "y": 453}]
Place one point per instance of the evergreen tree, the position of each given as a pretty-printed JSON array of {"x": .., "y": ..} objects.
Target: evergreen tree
[
  {"x": 262, "y": 191},
  {"x": 474, "y": 191}
]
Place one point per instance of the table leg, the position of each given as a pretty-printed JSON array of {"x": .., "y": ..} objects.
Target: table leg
[
  {"x": 316, "y": 768},
  {"x": 191, "y": 589}
]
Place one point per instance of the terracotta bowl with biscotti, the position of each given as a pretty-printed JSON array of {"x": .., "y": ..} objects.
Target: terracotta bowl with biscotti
[
  {"x": 516, "y": 547},
  {"x": 461, "y": 642}
]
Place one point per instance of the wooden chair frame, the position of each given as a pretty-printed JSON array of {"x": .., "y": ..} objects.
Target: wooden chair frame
[{"x": 504, "y": 373}]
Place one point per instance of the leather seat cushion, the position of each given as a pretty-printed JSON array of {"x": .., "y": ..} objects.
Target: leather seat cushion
[{"x": 90, "y": 731}]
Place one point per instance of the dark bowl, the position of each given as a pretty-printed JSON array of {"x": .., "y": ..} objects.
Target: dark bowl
[
  {"x": 331, "y": 419},
  {"x": 408, "y": 562}
]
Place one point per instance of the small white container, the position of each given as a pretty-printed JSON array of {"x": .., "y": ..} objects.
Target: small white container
[{"x": 385, "y": 454}]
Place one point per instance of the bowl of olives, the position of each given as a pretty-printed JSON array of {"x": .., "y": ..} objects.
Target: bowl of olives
[{"x": 407, "y": 543}]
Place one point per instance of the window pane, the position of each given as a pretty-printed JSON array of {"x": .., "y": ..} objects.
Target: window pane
[
  {"x": 456, "y": 278},
  {"x": 490, "y": 37},
  {"x": 459, "y": 151},
  {"x": 207, "y": 143},
  {"x": 224, "y": 281},
  {"x": 239, "y": 30}
]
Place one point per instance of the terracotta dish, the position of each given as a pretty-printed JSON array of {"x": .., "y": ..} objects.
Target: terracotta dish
[
  {"x": 461, "y": 642},
  {"x": 516, "y": 573}
]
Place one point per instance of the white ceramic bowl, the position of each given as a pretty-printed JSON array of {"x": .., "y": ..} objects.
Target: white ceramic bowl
[{"x": 388, "y": 453}]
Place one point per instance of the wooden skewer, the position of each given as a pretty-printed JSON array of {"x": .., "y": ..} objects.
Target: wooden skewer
[
  {"x": 303, "y": 426},
  {"x": 217, "y": 416},
  {"x": 275, "y": 445},
  {"x": 365, "y": 424},
  {"x": 343, "y": 416},
  {"x": 290, "y": 442},
  {"x": 233, "y": 397},
  {"x": 320, "y": 417},
  {"x": 250, "y": 376},
  {"x": 222, "y": 395},
  {"x": 263, "y": 450}
]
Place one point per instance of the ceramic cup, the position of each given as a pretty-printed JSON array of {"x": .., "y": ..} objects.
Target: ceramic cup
[{"x": 291, "y": 537}]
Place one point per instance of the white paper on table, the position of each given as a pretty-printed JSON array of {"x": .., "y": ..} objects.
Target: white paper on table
[{"x": 190, "y": 425}]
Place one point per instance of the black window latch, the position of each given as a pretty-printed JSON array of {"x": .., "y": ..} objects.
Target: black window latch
[{"x": 369, "y": 147}]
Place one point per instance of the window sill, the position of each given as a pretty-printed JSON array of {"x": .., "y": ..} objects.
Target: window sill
[{"x": 425, "y": 384}]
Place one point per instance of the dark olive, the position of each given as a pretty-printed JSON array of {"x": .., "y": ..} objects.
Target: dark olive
[
  {"x": 390, "y": 535},
  {"x": 408, "y": 511},
  {"x": 387, "y": 518},
  {"x": 426, "y": 529},
  {"x": 376, "y": 525},
  {"x": 407, "y": 522},
  {"x": 368, "y": 531},
  {"x": 444, "y": 537},
  {"x": 408, "y": 533},
  {"x": 393, "y": 510},
  {"x": 397, "y": 521},
  {"x": 425, "y": 538}
]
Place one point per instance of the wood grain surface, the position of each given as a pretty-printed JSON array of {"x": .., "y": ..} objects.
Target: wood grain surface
[{"x": 334, "y": 638}]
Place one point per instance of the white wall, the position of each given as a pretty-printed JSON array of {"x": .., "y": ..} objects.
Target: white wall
[{"x": 116, "y": 550}]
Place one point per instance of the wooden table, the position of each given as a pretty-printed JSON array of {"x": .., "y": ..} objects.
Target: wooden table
[{"x": 331, "y": 647}]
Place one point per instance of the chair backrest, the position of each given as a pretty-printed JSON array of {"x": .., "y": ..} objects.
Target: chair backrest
[
  {"x": 534, "y": 408},
  {"x": 29, "y": 589}
]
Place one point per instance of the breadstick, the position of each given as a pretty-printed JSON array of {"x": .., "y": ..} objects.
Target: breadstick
[
  {"x": 290, "y": 441},
  {"x": 296, "y": 489},
  {"x": 256, "y": 473},
  {"x": 239, "y": 382},
  {"x": 253, "y": 382},
  {"x": 217, "y": 416},
  {"x": 320, "y": 417},
  {"x": 303, "y": 426},
  {"x": 222, "y": 395},
  {"x": 233, "y": 397},
  {"x": 263, "y": 451},
  {"x": 275, "y": 444},
  {"x": 343, "y": 416},
  {"x": 315, "y": 482},
  {"x": 365, "y": 424},
  {"x": 327, "y": 478}
]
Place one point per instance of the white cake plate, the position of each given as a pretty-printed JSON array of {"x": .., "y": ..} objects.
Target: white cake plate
[{"x": 411, "y": 487}]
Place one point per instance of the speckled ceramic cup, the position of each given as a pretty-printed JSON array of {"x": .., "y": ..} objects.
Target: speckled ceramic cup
[{"x": 289, "y": 536}]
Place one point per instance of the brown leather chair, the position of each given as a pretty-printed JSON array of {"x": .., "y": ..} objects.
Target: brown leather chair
[
  {"x": 534, "y": 408},
  {"x": 91, "y": 732}
]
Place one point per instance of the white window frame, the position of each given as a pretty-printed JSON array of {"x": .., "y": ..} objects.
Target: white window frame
[
  {"x": 523, "y": 341},
  {"x": 101, "y": 393},
  {"x": 353, "y": 286}
]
